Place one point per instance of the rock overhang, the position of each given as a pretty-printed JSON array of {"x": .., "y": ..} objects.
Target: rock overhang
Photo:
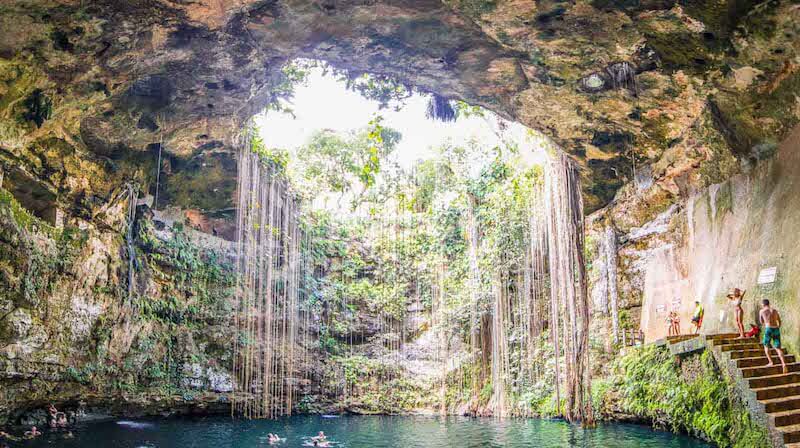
[{"x": 614, "y": 84}]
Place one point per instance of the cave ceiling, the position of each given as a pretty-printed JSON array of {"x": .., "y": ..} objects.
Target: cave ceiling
[{"x": 615, "y": 83}]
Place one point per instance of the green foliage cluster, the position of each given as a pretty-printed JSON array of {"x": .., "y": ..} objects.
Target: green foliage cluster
[
  {"x": 38, "y": 263},
  {"x": 346, "y": 166},
  {"x": 653, "y": 386},
  {"x": 277, "y": 158},
  {"x": 376, "y": 387},
  {"x": 385, "y": 90},
  {"x": 413, "y": 240},
  {"x": 195, "y": 283},
  {"x": 194, "y": 286}
]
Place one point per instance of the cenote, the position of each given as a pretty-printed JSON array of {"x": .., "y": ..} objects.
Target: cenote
[
  {"x": 452, "y": 223},
  {"x": 365, "y": 431}
]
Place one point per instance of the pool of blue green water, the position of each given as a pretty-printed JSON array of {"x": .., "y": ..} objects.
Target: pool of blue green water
[{"x": 361, "y": 431}]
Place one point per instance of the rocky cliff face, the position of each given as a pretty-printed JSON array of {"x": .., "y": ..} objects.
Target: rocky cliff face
[
  {"x": 73, "y": 333},
  {"x": 702, "y": 243},
  {"x": 671, "y": 108}
]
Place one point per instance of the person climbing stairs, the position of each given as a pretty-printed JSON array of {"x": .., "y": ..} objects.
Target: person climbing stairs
[{"x": 776, "y": 392}]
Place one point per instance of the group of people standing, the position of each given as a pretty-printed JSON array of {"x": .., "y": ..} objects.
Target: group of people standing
[{"x": 768, "y": 317}]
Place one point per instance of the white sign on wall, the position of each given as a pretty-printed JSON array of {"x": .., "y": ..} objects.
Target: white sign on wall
[{"x": 767, "y": 275}]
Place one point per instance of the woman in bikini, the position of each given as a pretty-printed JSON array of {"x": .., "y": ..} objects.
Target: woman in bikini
[{"x": 736, "y": 297}]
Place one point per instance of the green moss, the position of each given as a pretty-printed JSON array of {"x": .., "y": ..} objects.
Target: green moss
[
  {"x": 719, "y": 162},
  {"x": 693, "y": 398},
  {"x": 195, "y": 283},
  {"x": 21, "y": 217},
  {"x": 205, "y": 183},
  {"x": 682, "y": 51},
  {"x": 657, "y": 131},
  {"x": 720, "y": 17},
  {"x": 474, "y": 8},
  {"x": 724, "y": 199}
]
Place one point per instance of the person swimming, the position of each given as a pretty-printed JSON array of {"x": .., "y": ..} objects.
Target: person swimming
[
  {"x": 34, "y": 432},
  {"x": 320, "y": 440},
  {"x": 274, "y": 438}
]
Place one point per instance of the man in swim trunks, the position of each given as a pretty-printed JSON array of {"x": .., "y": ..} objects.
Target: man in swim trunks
[
  {"x": 771, "y": 320},
  {"x": 697, "y": 317}
]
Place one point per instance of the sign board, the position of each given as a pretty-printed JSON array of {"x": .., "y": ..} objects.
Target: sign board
[{"x": 767, "y": 275}]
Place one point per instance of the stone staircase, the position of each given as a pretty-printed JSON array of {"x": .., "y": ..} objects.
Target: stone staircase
[
  {"x": 681, "y": 338},
  {"x": 772, "y": 396}
]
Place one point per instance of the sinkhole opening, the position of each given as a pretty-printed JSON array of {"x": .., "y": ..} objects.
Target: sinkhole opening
[{"x": 398, "y": 250}]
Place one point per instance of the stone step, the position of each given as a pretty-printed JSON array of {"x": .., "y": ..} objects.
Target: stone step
[
  {"x": 782, "y": 404},
  {"x": 721, "y": 336},
  {"x": 786, "y": 418},
  {"x": 741, "y": 346},
  {"x": 781, "y": 379},
  {"x": 732, "y": 339},
  {"x": 735, "y": 342},
  {"x": 754, "y": 372},
  {"x": 754, "y": 353},
  {"x": 681, "y": 338},
  {"x": 791, "y": 434},
  {"x": 769, "y": 393},
  {"x": 761, "y": 361}
]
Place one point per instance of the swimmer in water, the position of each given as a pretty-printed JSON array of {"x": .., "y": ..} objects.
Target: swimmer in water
[
  {"x": 319, "y": 437},
  {"x": 273, "y": 438},
  {"x": 34, "y": 432}
]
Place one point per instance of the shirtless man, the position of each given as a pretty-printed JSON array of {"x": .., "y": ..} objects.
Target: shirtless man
[{"x": 771, "y": 320}]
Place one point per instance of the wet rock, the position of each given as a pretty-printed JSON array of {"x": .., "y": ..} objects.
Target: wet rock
[
  {"x": 659, "y": 225},
  {"x": 207, "y": 378},
  {"x": 15, "y": 325}
]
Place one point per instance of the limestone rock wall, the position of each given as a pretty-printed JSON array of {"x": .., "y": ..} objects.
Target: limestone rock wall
[
  {"x": 72, "y": 334},
  {"x": 715, "y": 238}
]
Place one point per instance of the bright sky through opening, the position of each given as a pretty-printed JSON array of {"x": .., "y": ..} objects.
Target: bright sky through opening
[{"x": 324, "y": 102}]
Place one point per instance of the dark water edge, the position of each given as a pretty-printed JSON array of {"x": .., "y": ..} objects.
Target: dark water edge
[{"x": 358, "y": 432}]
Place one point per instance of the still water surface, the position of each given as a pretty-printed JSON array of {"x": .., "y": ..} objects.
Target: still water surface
[{"x": 361, "y": 432}]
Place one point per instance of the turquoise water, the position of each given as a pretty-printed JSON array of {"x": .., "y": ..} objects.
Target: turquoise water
[{"x": 362, "y": 431}]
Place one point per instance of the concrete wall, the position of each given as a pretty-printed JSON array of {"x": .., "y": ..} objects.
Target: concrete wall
[{"x": 722, "y": 238}]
